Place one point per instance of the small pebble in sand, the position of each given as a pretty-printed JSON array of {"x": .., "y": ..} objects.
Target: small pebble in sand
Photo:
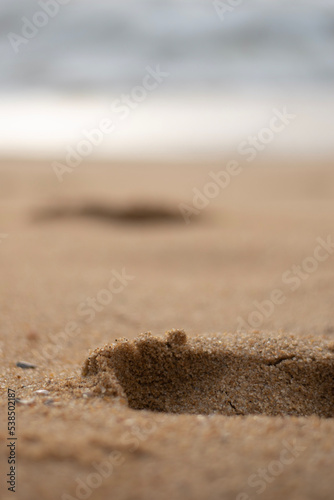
[
  {"x": 52, "y": 402},
  {"x": 42, "y": 392},
  {"x": 25, "y": 365},
  {"x": 32, "y": 336},
  {"x": 25, "y": 401}
]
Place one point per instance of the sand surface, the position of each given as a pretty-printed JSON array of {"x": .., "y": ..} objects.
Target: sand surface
[{"x": 80, "y": 268}]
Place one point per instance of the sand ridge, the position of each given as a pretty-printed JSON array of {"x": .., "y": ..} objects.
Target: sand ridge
[{"x": 225, "y": 374}]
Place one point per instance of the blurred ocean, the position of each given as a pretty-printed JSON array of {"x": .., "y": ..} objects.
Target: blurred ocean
[{"x": 226, "y": 73}]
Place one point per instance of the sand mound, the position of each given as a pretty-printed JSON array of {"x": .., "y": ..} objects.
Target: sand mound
[{"x": 225, "y": 374}]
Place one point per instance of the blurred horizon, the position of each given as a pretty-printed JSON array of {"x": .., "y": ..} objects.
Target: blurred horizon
[{"x": 226, "y": 73}]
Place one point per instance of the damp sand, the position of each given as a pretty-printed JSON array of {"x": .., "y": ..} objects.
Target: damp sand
[{"x": 231, "y": 374}]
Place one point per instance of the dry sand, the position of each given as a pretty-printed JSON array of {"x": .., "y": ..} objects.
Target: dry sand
[{"x": 240, "y": 415}]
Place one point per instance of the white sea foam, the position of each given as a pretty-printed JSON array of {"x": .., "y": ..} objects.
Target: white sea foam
[{"x": 181, "y": 126}]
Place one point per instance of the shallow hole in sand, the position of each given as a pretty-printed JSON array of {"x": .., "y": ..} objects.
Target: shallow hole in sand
[
  {"x": 139, "y": 213},
  {"x": 228, "y": 375}
]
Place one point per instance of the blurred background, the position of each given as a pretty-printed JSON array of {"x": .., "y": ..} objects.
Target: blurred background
[
  {"x": 64, "y": 63},
  {"x": 177, "y": 88}
]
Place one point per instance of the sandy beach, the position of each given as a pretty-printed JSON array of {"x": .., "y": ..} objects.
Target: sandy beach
[{"x": 107, "y": 255}]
